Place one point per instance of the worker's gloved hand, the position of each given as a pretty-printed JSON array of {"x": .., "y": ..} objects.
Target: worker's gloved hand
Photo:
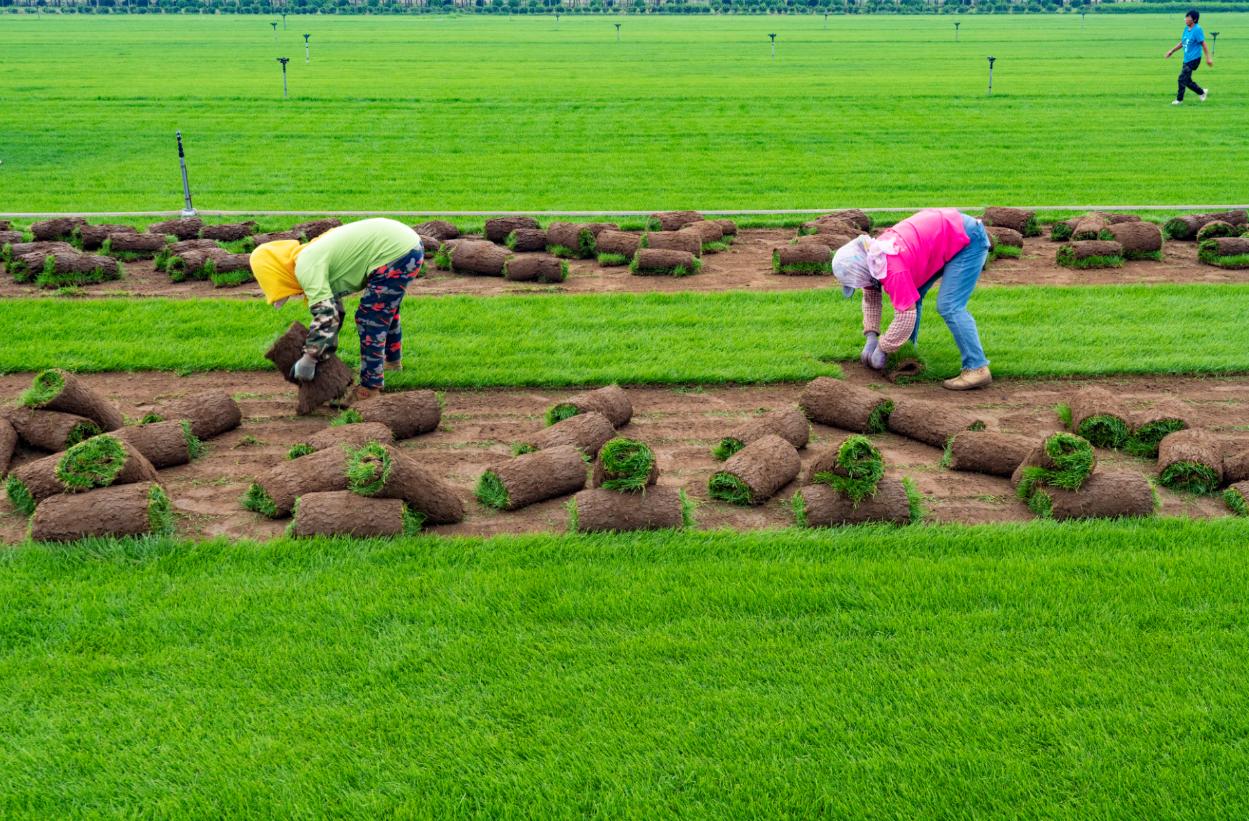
[
  {"x": 877, "y": 359},
  {"x": 872, "y": 342},
  {"x": 305, "y": 370}
]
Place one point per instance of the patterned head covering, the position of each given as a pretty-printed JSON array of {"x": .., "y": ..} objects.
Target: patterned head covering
[
  {"x": 861, "y": 263},
  {"x": 273, "y": 265}
]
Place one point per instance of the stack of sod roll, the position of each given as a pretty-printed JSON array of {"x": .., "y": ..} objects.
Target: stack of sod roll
[
  {"x": 846, "y": 485},
  {"x": 1102, "y": 418},
  {"x": 1060, "y": 480},
  {"x": 623, "y": 493}
]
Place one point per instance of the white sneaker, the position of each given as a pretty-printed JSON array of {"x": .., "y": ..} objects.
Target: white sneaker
[
  {"x": 1203, "y": 95},
  {"x": 1177, "y": 102}
]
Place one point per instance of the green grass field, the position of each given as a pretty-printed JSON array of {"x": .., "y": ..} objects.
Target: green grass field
[
  {"x": 474, "y": 113},
  {"x": 1082, "y": 670}
]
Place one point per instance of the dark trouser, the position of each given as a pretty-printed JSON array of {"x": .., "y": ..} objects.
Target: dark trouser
[
  {"x": 377, "y": 317},
  {"x": 1186, "y": 79}
]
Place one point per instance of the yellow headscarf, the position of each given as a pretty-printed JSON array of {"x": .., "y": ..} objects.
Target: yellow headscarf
[{"x": 273, "y": 265}]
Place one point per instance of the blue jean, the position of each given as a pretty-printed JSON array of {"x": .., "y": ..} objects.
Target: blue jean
[{"x": 959, "y": 278}]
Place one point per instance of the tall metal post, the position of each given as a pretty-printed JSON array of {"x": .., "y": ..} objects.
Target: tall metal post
[
  {"x": 284, "y": 61},
  {"x": 188, "y": 210},
  {"x": 991, "y": 61},
  {"x": 275, "y": 32},
  {"x": 956, "y": 25},
  {"x": 307, "y": 52},
  {"x": 773, "y": 36},
  {"x": 617, "y": 32},
  {"x": 1215, "y": 42}
]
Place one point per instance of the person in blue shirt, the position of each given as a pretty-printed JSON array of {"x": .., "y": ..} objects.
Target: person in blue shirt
[{"x": 1193, "y": 41}]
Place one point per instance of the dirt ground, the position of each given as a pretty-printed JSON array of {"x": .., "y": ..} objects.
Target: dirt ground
[
  {"x": 682, "y": 424},
  {"x": 746, "y": 266}
]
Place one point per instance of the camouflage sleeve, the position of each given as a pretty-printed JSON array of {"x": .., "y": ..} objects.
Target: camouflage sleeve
[{"x": 327, "y": 318}]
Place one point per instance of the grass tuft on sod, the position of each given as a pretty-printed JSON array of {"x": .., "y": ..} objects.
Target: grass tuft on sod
[{"x": 490, "y": 491}]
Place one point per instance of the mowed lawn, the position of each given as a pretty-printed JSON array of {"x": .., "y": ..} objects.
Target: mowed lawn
[{"x": 489, "y": 113}]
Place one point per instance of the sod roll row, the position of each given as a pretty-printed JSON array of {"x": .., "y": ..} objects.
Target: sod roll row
[
  {"x": 1225, "y": 252},
  {"x": 933, "y": 423},
  {"x": 93, "y": 237},
  {"x": 1065, "y": 230},
  {"x": 332, "y": 379},
  {"x": 1103, "y": 419},
  {"x": 406, "y": 413},
  {"x": 59, "y": 269},
  {"x": 788, "y": 423},
  {"x": 575, "y": 240},
  {"x": 611, "y": 401},
  {"x": 1060, "y": 480},
  {"x": 599, "y": 510},
  {"x": 131, "y": 245},
  {"x": 846, "y": 485},
  {"x": 136, "y": 509},
  {"x": 586, "y": 431},
  {"x": 839, "y": 404},
  {"x": 1187, "y": 226},
  {"x": 988, "y": 452},
  {"x": 16, "y": 255}
]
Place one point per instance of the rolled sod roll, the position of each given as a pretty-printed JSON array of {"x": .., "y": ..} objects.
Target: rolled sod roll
[
  {"x": 123, "y": 510},
  {"x": 839, "y": 404},
  {"x": 101, "y": 461},
  {"x": 406, "y": 413},
  {"x": 535, "y": 268},
  {"x": 352, "y": 436},
  {"x": 343, "y": 513},
  {"x": 598, "y": 510},
  {"x": 674, "y": 220},
  {"x": 51, "y": 430},
  {"x": 385, "y": 472},
  {"x": 274, "y": 492},
  {"x": 625, "y": 466},
  {"x": 1185, "y": 227},
  {"x": 60, "y": 390},
  {"x": 315, "y": 228},
  {"x": 831, "y": 225},
  {"x": 1150, "y": 427},
  {"x": 932, "y": 423},
  {"x": 788, "y": 423},
  {"x": 1235, "y": 462},
  {"x": 756, "y": 472},
  {"x": 1008, "y": 237},
  {"x": 727, "y": 227},
  {"x": 184, "y": 228},
  {"x": 229, "y": 231},
  {"x": 532, "y": 477},
  {"x": 982, "y": 451},
  {"x": 229, "y": 270},
  {"x": 5, "y": 225},
  {"x": 92, "y": 237},
  {"x": 856, "y": 217},
  {"x": 708, "y": 231},
  {"x": 194, "y": 263},
  {"x": 611, "y": 401},
  {"x": 61, "y": 268},
  {"x": 9, "y": 238},
  {"x": 1091, "y": 254},
  {"x": 257, "y": 240},
  {"x": 211, "y": 413},
  {"x": 429, "y": 244},
  {"x": 498, "y": 228},
  {"x": 332, "y": 379},
  {"x": 438, "y": 229},
  {"x": 1106, "y": 495},
  {"x": 134, "y": 244},
  {"x": 1191, "y": 460},
  {"x": 1090, "y": 226},
  {"x": 1218, "y": 228},
  {"x": 822, "y": 506},
  {"x": 833, "y": 241},
  {"x": 1062, "y": 231},
  {"x": 1063, "y": 460},
  {"x": 664, "y": 262},
  {"x": 853, "y": 467},
  {"x": 616, "y": 247},
  {"x": 179, "y": 248},
  {"x": 527, "y": 239},
  {"x": 1100, "y": 417},
  {"x": 1236, "y": 498},
  {"x": 1019, "y": 219},
  {"x": 471, "y": 256},
  {"x": 803, "y": 259},
  {"x": 672, "y": 241},
  {"x": 19, "y": 249},
  {"x": 587, "y": 432},
  {"x": 8, "y": 444},
  {"x": 1225, "y": 252},
  {"x": 61, "y": 228},
  {"x": 570, "y": 239},
  {"x": 164, "y": 444},
  {"x": 1140, "y": 240}
]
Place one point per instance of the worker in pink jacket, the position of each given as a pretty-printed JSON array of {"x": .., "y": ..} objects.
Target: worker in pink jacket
[{"x": 904, "y": 262}]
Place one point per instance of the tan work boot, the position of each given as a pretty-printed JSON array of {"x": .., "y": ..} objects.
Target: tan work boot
[
  {"x": 969, "y": 380},
  {"x": 393, "y": 366},
  {"x": 354, "y": 396}
]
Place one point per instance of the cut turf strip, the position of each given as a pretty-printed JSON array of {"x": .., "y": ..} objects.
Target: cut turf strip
[
  {"x": 932, "y": 423},
  {"x": 625, "y": 466},
  {"x": 1191, "y": 460},
  {"x": 124, "y": 510},
  {"x": 332, "y": 379},
  {"x": 1100, "y": 417},
  {"x": 853, "y": 467},
  {"x": 51, "y": 430},
  {"x": 533, "y": 477},
  {"x": 383, "y": 471},
  {"x": 982, "y": 451},
  {"x": 823, "y": 506},
  {"x": 788, "y": 423},
  {"x": 611, "y": 401},
  {"x": 599, "y": 510},
  {"x": 1104, "y": 495},
  {"x": 587, "y": 432},
  {"x": 60, "y": 390},
  {"x": 756, "y": 472},
  {"x": 343, "y": 513},
  {"x": 839, "y": 404},
  {"x": 211, "y": 413}
]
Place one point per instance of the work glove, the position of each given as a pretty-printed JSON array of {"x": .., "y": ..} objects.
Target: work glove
[
  {"x": 305, "y": 370},
  {"x": 872, "y": 342},
  {"x": 877, "y": 359}
]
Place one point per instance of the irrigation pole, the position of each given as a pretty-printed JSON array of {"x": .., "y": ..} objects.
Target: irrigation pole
[
  {"x": 1215, "y": 35},
  {"x": 991, "y": 61},
  {"x": 956, "y": 25},
  {"x": 275, "y": 32},
  {"x": 284, "y": 61},
  {"x": 307, "y": 52},
  {"x": 283, "y": 21},
  {"x": 773, "y": 36},
  {"x": 188, "y": 210},
  {"x": 617, "y": 32}
]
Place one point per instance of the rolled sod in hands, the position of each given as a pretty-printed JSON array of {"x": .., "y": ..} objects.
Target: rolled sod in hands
[
  {"x": 1150, "y": 427},
  {"x": 673, "y": 220},
  {"x": 535, "y": 268},
  {"x": 438, "y": 229},
  {"x": 932, "y": 423},
  {"x": 332, "y": 380},
  {"x": 352, "y": 436},
  {"x": 600, "y": 510},
  {"x": 497, "y": 229},
  {"x": 1140, "y": 240},
  {"x": 1105, "y": 495},
  {"x": 8, "y": 444},
  {"x": 123, "y": 510},
  {"x": 1225, "y": 252},
  {"x": 527, "y": 239},
  {"x": 141, "y": 246},
  {"x": 532, "y": 477},
  {"x": 1017, "y": 219},
  {"x": 1100, "y": 417},
  {"x": 164, "y": 444},
  {"x": 59, "y": 269},
  {"x": 184, "y": 228},
  {"x": 661, "y": 262},
  {"x": 60, "y": 390},
  {"x": 587, "y": 432},
  {"x": 274, "y": 492},
  {"x": 1191, "y": 460},
  {"x": 343, "y": 513},
  {"x": 672, "y": 241},
  {"x": 1091, "y": 253},
  {"x": 803, "y": 259},
  {"x": 98, "y": 462},
  {"x": 385, "y": 472},
  {"x": 756, "y": 472},
  {"x": 788, "y": 423},
  {"x": 982, "y": 451},
  {"x": 822, "y": 506},
  {"x": 211, "y": 413},
  {"x": 52, "y": 430},
  {"x": 616, "y": 247},
  {"x": 229, "y": 231},
  {"x": 611, "y": 401},
  {"x": 839, "y": 404},
  {"x": 852, "y": 467},
  {"x": 53, "y": 230},
  {"x": 472, "y": 256},
  {"x": 92, "y": 237},
  {"x": 625, "y": 466},
  {"x": 406, "y": 413}
]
